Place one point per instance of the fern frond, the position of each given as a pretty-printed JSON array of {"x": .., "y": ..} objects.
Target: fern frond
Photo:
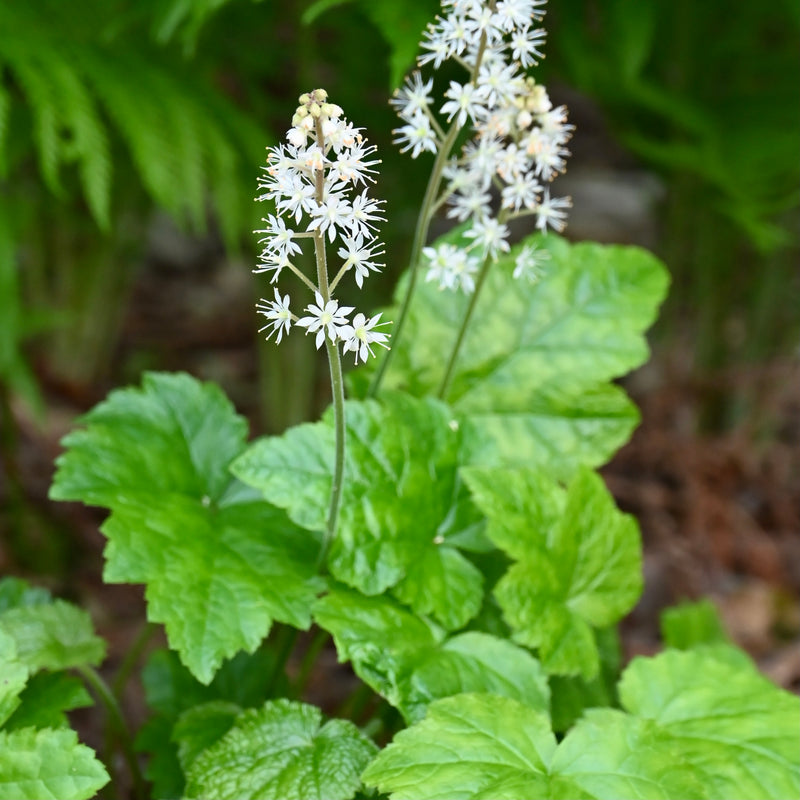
[
  {"x": 188, "y": 143},
  {"x": 67, "y": 124},
  {"x": 5, "y": 113},
  {"x": 89, "y": 144},
  {"x": 44, "y": 106},
  {"x": 184, "y": 18}
]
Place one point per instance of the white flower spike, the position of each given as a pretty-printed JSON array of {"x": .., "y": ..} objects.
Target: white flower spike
[
  {"x": 319, "y": 182},
  {"x": 518, "y": 142}
]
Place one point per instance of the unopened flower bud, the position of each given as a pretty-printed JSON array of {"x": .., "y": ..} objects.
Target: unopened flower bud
[{"x": 524, "y": 119}]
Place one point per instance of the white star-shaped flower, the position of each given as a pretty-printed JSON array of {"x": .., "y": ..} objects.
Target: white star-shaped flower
[
  {"x": 278, "y": 313},
  {"x": 325, "y": 319}
]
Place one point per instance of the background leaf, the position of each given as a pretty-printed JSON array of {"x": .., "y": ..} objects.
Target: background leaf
[
  {"x": 45, "y": 698},
  {"x": 690, "y": 624},
  {"x": 200, "y": 727},
  {"x": 219, "y": 563}
]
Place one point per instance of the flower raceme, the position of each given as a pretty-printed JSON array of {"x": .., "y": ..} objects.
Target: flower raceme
[
  {"x": 518, "y": 142},
  {"x": 319, "y": 180}
]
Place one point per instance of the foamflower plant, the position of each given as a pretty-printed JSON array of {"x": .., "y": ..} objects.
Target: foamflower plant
[{"x": 444, "y": 530}]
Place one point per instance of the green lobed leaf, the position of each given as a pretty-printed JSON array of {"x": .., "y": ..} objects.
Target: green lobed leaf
[
  {"x": 531, "y": 384},
  {"x": 697, "y": 727},
  {"x": 411, "y": 664},
  {"x": 468, "y": 746},
  {"x": 473, "y": 662},
  {"x": 13, "y": 677},
  {"x": 47, "y": 765},
  {"x": 218, "y": 562},
  {"x": 443, "y": 583},
  {"x": 200, "y": 727},
  {"x": 282, "y": 752},
  {"x": 172, "y": 691},
  {"x": 578, "y": 561},
  {"x": 55, "y": 635},
  {"x": 404, "y": 509},
  {"x": 727, "y": 721},
  {"x": 690, "y": 624},
  {"x": 377, "y": 635},
  {"x": 609, "y": 755},
  {"x": 45, "y": 698},
  {"x": 15, "y": 592}
]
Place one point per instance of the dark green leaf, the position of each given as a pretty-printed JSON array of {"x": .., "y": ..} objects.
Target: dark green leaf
[
  {"x": 200, "y": 727},
  {"x": 45, "y": 699},
  {"x": 15, "y": 592},
  {"x": 163, "y": 768}
]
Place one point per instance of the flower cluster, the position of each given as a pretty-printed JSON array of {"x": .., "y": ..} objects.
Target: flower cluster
[
  {"x": 519, "y": 139},
  {"x": 319, "y": 181}
]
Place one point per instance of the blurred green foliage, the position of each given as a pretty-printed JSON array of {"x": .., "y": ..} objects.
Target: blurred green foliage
[{"x": 708, "y": 95}]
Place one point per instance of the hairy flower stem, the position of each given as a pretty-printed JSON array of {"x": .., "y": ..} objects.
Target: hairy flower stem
[
  {"x": 420, "y": 237},
  {"x": 426, "y": 212},
  {"x": 337, "y": 385},
  {"x": 335, "y": 363},
  {"x": 444, "y": 386}
]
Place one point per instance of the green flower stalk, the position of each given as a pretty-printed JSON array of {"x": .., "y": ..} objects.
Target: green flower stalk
[{"x": 319, "y": 181}]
